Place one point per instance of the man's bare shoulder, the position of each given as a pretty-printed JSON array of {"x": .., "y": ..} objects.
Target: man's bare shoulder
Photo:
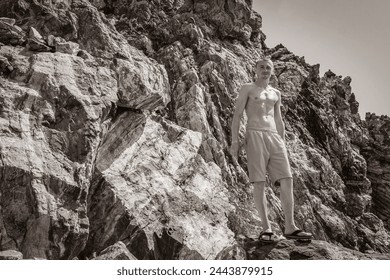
[
  {"x": 247, "y": 86},
  {"x": 274, "y": 89},
  {"x": 278, "y": 93}
]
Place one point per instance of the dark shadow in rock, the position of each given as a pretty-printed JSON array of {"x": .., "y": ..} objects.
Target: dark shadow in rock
[
  {"x": 255, "y": 249},
  {"x": 298, "y": 256},
  {"x": 137, "y": 244},
  {"x": 282, "y": 250},
  {"x": 109, "y": 223},
  {"x": 169, "y": 248},
  {"x": 123, "y": 133}
]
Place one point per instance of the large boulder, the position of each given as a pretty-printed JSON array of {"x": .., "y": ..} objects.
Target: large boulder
[
  {"x": 51, "y": 121},
  {"x": 154, "y": 192}
]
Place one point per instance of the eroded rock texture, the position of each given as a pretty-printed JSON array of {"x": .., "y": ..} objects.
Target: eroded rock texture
[
  {"x": 115, "y": 126},
  {"x": 377, "y": 154}
]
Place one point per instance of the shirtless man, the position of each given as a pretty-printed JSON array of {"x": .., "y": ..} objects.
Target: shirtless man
[{"x": 265, "y": 148}]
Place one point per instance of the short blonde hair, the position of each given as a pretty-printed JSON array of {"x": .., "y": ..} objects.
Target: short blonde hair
[{"x": 265, "y": 58}]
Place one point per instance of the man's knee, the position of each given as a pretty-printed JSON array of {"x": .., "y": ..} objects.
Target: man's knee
[
  {"x": 286, "y": 181},
  {"x": 259, "y": 184}
]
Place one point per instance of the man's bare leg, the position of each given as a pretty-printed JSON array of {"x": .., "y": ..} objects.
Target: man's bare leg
[
  {"x": 261, "y": 204},
  {"x": 287, "y": 200}
]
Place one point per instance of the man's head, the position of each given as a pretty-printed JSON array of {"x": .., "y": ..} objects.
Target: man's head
[{"x": 264, "y": 68}]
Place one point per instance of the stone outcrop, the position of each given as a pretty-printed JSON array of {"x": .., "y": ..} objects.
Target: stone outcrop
[
  {"x": 377, "y": 155},
  {"x": 11, "y": 33},
  {"x": 51, "y": 119},
  {"x": 115, "y": 124},
  {"x": 316, "y": 250},
  {"x": 118, "y": 251},
  {"x": 154, "y": 167},
  {"x": 10, "y": 255}
]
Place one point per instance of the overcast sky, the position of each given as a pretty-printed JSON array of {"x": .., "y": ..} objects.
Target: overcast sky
[{"x": 350, "y": 37}]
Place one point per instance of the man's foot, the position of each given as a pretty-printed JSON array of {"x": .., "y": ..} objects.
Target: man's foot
[
  {"x": 268, "y": 237},
  {"x": 299, "y": 235}
]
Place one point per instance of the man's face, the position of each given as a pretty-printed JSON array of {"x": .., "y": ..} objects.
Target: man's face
[{"x": 264, "y": 69}]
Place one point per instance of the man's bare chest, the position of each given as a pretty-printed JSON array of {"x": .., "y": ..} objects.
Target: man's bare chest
[{"x": 267, "y": 96}]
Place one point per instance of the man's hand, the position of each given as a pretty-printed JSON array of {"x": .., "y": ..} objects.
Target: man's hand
[{"x": 234, "y": 149}]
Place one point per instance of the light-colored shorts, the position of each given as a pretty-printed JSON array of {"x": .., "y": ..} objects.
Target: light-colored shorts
[{"x": 266, "y": 150}]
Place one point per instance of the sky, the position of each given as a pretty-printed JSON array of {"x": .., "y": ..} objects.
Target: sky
[{"x": 350, "y": 37}]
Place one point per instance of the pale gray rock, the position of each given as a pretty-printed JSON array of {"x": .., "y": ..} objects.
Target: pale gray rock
[
  {"x": 11, "y": 255},
  {"x": 142, "y": 83},
  {"x": 118, "y": 251},
  {"x": 34, "y": 34},
  {"x": 10, "y": 21},
  {"x": 47, "y": 152},
  {"x": 188, "y": 93},
  {"x": 35, "y": 41},
  {"x": 234, "y": 252},
  {"x": 97, "y": 35},
  {"x": 85, "y": 55},
  {"x": 11, "y": 34},
  {"x": 53, "y": 40},
  {"x": 67, "y": 47},
  {"x": 161, "y": 197},
  {"x": 18, "y": 64}
]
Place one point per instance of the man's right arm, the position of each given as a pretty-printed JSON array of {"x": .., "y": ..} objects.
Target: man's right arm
[{"x": 240, "y": 106}]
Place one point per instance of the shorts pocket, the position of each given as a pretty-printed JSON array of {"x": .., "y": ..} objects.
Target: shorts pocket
[
  {"x": 281, "y": 143},
  {"x": 279, "y": 137}
]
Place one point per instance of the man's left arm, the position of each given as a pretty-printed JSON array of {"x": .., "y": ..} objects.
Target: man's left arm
[{"x": 278, "y": 115}]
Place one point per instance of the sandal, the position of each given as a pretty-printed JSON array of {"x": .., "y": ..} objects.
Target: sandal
[
  {"x": 296, "y": 235},
  {"x": 268, "y": 237}
]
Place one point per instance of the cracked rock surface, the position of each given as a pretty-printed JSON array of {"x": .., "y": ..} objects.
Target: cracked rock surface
[{"x": 115, "y": 121}]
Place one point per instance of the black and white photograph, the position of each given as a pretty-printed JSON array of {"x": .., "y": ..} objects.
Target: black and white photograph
[{"x": 176, "y": 130}]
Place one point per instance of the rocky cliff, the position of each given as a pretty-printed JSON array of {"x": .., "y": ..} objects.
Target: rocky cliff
[
  {"x": 115, "y": 126},
  {"x": 377, "y": 154}
]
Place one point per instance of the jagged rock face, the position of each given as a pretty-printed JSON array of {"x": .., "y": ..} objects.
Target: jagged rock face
[
  {"x": 146, "y": 168},
  {"x": 115, "y": 122},
  {"x": 11, "y": 34},
  {"x": 377, "y": 154},
  {"x": 51, "y": 118},
  {"x": 194, "y": 21}
]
